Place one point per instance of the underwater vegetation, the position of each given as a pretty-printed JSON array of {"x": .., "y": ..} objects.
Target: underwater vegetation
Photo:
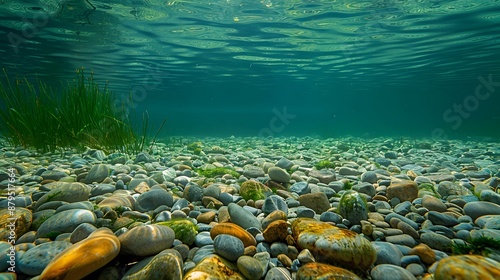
[{"x": 80, "y": 115}]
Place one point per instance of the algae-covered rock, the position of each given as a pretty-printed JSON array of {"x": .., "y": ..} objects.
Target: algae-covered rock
[
  {"x": 68, "y": 192},
  {"x": 333, "y": 245},
  {"x": 17, "y": 221},
  {"x": 254, "y": 190},
  {"x": 467, "y": 267},
  {"x": 353, "y": 207},
  {"x": 214, "y": 267},
  {"x": 184, "y": 229},
  {"x": 166, "y": 265},
  {"x": 321, "y": 271}
]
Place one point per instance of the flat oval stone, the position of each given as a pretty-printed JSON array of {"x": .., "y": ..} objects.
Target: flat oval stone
[
  {"x": 321, "y": 271},
  {"x": 249, "y": 267},
  {"x": 242, "y": 217},
  {"x": 467, "y": 267},
  {"x": 387, "y": 253},
  {"x": 63, "y": 191},
  {"x": 390, "y": 272},
  {"x": 65, "y": 222},
  {"x": 333, "y": 245},
  {"x": 84, "y": 257},
  {"x": 147, "y": 240},
  {"x": 152, "y": 199},
  {"x": 279, "y": 175},
  {"x": 433, "y": 204},
  {"x": 34, "y": 261},
  {"x": 214, "y": 267},
  {"x": 234, "y": 230},
  {"x": 228, "y": 246},
  {"x": 476, "y": 209},
  {"x": 276, "y": 231},
  {"x": 273, "y": 203}
]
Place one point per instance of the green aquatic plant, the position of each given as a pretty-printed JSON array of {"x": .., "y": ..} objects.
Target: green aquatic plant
[
  {"x": 324, "y": 164},
  {"x": 184, "y": 229},
  {"x": 82, "y": 114},
  {"x": 481, "y": 245},
  {"x": 194, "y": 145},
  {"x": 218, "y": 171},
  {"x": 348, "y": 185}
]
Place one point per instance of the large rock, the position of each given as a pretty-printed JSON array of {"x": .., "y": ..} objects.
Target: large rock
[
  {"x": 166, "y": 265},
  {"x": 84, "y": 257},
  {"x": 214, "y": 267},
  {"x": 334, "y": 245},
  {"x": 68, "y": 192},
  {"x": 404, "y": 190},
  {"x": 254, "y": 190},
  {"x": 467, "y": 267},
  {"x": 320, "y": 271},
  {"x": 476, "y": 209},
  {"x": 65, "y": 222},
  {"x": 19, "y": 222},
  {"x": 147, "y": 240}
]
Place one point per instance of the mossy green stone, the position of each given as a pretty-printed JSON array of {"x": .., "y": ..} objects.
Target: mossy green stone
[
  {"x": 184, "y": 229},
  {"x": 353, "y": 207},
  {"x": 254, "y": 190}
]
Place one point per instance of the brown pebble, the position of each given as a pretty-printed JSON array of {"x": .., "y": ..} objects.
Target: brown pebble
[
  {"x": 285, "y": 260},
  {"x": 206, "y": 217},
  {"x": 250, "y": 251},
  {"x": 276, "y": 231},
  {"x": 394, "y": 222},
  {"x": 425, "y": 253}
]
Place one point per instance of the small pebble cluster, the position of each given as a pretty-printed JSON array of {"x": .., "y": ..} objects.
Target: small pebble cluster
[{"x": 254, "y": 208}]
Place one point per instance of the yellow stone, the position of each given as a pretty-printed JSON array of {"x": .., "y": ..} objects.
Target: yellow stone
[
  {"x": 234, "y": 230},
  {"x": 334, "y": 245},
  {"x": 467, "y": 267},
  {"x": 18, "y": 223},
  {"x": 84, "y": 257},
  {"x": 321, "y": 271},
  {"x": 214, "y": 267}
]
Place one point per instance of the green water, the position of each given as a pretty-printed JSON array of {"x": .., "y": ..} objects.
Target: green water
[{"x": 274, "y": 68}]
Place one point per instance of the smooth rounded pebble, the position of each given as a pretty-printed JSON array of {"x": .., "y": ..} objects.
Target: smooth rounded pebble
[
  {"x": 391, "y": 272},
  {"x": 65, "y": 222},
  {"x": 37, "y": 258},
  {"x": 467, "y": 267},
  {"x": 320, "y": 271},
  {"x": 249, "y": 267},
  {"x": 147, "y": 240},
  {"x": 228, "y": 247},
  {"x": 234, "y": 230},
  {"x": 279, "y": 175},
  {"x": 84, "y": 257}
]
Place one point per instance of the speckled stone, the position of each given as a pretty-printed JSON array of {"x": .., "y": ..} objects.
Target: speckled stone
[
  {"x": 321, "y": 271},
  {"x": 276, "y": 231},
  {"x": 84, "y": 257},
  {"x": 214, "y": 267},
  {"x": 20, "y": 223},
  {"x": 37, "y": 258},
  {"x": 467, "y": 267},
  {"x": 333, "y": 245}
]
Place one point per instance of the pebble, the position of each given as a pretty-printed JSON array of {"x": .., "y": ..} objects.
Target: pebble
[
  {"x": 300, "y": 188},
  {"x": 353, "y": 207},
  {"x": 404, "y": 190},
  {"x": 242, "y": 217},
  {"x": 387, "y": 253},
  {"x": 249, "y": 267},
  {"x": 274, "y": 202},
  {"x": 318, "y": 202},
  {"x": 146, "y": 240},
  {"x": 37, "y": 258},
  {"x": 152, "y": 199},
  {"x": 477, "y": 209},
  {"x": 467, "y": 267},
  {"x": 390, "y": 272},
  {"x": 234, "y": 230},
  {"x": 65, "y": 222},
  {"x": 97, "y": 250},
  {"x": 316, "y": 270},
  {"x": 228, "y": 246},
  {"x": 279, "y": 175},
  {"x": 436, "y": 241},
  {"x": 332, "y": 244},
  {"x": 433, "y": 204}
]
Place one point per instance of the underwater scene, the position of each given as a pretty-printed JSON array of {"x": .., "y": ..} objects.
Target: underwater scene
[{"x": 249, "y": 139}]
